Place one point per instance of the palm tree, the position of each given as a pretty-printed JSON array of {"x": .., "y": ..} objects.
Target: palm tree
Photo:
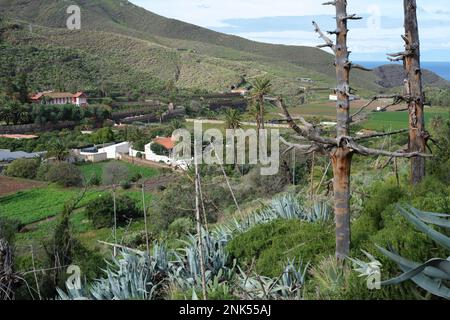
[
  {"x": 176, "y": 124},
  {"x": 13, "y": 112},
  {"x": 58, "y": 151},
  {"x": 233, "y": 119},
  {"x": 160, "y": 114},
  {"x": 261, "y": 88}
]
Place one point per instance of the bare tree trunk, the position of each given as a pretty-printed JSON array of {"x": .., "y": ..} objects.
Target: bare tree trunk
[
  {"x": 261, "y": 113},
  {"x": 342, "y": 157},
  {"x": 199, "y": 224},
  {"x": 144, "y": 206},
  {"x": 413, "y": 83},
  {"x": 341, "y": 160}
]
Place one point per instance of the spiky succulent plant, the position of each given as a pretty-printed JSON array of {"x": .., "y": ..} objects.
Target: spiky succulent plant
[{"x": 433, "y": 275}]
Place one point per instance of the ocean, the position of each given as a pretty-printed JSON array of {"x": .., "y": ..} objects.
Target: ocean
[{"x": 440, "y": 68}]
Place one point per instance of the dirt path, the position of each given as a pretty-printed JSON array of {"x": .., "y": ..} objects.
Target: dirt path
[{"x": 12, "y": 185}]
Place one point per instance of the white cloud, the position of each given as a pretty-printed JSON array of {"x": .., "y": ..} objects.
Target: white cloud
[
  {"x": 211, "y": 13},
  {"x": 214, "y": 13}
]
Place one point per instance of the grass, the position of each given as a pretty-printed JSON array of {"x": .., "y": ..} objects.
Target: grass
[
  {"x": 83, "y": 229},
  {"x": 36, "y": 204},
  {"x": 39, "y": 209},
  {"x": 399, "y": 120},
  {"x": 90, "y": 170}
]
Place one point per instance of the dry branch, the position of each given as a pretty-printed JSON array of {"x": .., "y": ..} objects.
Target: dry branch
[{"x": 328, "y": 41}]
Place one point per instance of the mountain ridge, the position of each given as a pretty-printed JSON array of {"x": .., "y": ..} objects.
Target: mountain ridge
[{"x": 189, "y": 55}]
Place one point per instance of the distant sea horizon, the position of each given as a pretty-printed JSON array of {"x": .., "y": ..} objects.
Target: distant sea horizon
[{"x": 440, "y": 68}]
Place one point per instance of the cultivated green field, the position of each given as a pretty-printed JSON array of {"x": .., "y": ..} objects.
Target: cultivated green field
[
  {"x": 38, "y": 210},
  {"x": 34, "y": 205},
  {"x": 399, "y": 120},
  {"x": 90, "y": 170}
]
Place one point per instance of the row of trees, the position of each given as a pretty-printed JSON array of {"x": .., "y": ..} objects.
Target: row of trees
[{"x": 14, "y": 112}]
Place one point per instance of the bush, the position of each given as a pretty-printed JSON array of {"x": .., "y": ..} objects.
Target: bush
[
  {"x": 138, "y": 240},
  {"x": 273, "y": 243},
  {"x": 159, "y": 149},
  {"x": 8, "y": 229},
  {"x": 115, "y": 173},
  {"x": 181, "y": 227},
  {"x": 64, "y": 174},
  {"x": 381, "y": 224},
  {"x": 101, "y": 211},
  {"x": 136, "y": 177},
  {"x": 176, "y": 201},
  {"x": 382, "y": 195},
  {"x": 95, "y": 180},
  {"x": 23, "y": 168}
]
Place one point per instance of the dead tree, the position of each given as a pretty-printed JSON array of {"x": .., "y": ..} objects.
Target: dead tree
[
  {"x": 8, "y": 278},
  {"x": 342, "y": 148},
  {"x": 413, "y": 91}
]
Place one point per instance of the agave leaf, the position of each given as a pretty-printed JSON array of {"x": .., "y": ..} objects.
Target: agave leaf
[
  {"x": 437, "y": 219},
  {"x": 421, "y": 226},
  {"x": 419, "y": 277},
  {"x": 429, "y": 270}
]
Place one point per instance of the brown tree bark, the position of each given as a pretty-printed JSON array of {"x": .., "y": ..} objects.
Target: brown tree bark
[
  {"x": 414, "y": 89},
  {"x": 341, "y": 160},
  {"x": 342, "y": 156}
]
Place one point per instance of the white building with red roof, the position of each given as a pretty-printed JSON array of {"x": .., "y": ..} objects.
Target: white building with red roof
[{"x": 60, "y": 98}]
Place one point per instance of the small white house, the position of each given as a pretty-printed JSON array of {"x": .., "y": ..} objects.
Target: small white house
[
  {"x": 168, "y": 144},
  {"x": 111, "y": 152}
]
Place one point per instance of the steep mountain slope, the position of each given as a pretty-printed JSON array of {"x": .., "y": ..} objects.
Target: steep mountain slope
[
  {"x": 393, "y": 76},
  {"x": 122, "y": 17},
  {"x": 126, "y": 37}
]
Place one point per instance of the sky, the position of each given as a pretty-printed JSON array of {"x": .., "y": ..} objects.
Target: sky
[{"x": 289, "y": 22}]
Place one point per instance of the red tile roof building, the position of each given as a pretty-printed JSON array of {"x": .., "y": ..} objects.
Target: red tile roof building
[
  {"x": 167, "y": 143},
  {"x": 59, "y": 98}
]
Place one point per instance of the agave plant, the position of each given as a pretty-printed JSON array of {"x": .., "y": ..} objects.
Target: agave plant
[
  {"x": 287, "y": 207},
  {"x": 330, "y": 277},
  {"x": 433, "y": 275},
  {"x": 287, "y": 286},
  {"x": 133, "y": 276},
  {"x": 187, "y": 269},
  {"x": 136, "y": 275}
]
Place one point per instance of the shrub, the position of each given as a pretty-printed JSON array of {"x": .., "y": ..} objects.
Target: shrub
[
  {"x": 8, "y": 229},
  {"x": 23, "y": 168},
  {"x": 101, "y": 211},
  {"x": 64, "y": 174},
  {"x": 95, "y": 180},
  {"x": 181, "y": 227},
  {"x": 329, "y": 279},
  {"x": 136, "y": 177},
  {"x": 273, "y": 243},
  {"x": 382, "y": 195},
  {"x": 176, "y": 201},
  {"x": 138, "y": 240},
  {"x": 115, "y": 173},
  {"x": 159, "y": 149}
]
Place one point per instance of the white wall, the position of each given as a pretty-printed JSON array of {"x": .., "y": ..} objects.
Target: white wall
[
  {"x": 151, "y": 156},
  {"x": 94, "y": 157},
  {"x": 114, "y": 150}
]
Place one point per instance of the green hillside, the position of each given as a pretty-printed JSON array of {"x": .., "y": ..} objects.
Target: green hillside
[
  {"x": 122, "y": 45},
  {"x": 194, "y": 57}
]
